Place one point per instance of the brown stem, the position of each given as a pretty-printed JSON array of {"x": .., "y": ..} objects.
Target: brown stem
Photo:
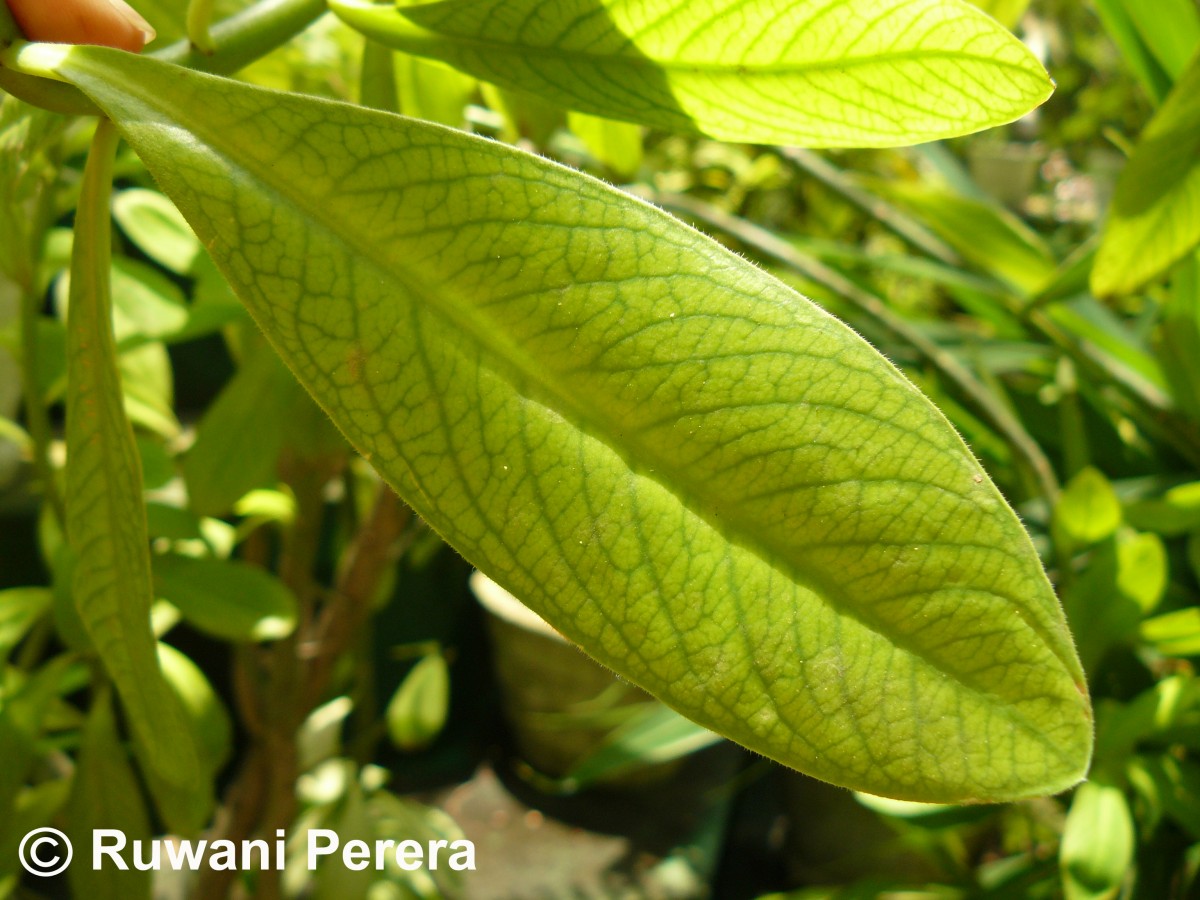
[{"x": 367, "y": 560}]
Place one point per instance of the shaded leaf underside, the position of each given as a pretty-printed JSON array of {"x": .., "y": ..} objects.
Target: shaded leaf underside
[{"x": 714, "y": 487}]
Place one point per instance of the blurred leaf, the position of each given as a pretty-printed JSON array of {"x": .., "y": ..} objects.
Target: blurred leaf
[
  {"x": 36, "y": 807},
  {"x": 988, "y": 236},
  {"x": 155, "y": 225},
  {"x": 20, "y": 609},
  {"x": 106, "y": 519},
  {"x": 105, "y": 794},
  {"x": 1121, "y": 28},
  {"x": 1174, "y": 633},
  {"x": 1007, "y": 12},
  {"x": 432, "y": 90},
  {"x": 146, "y": 304},
  {"x": 655, "y": 734},
  {"x": 441, "y": 317},
  {"x": 1179, "y": 337},
  {"x": 227, "y": 598},
  {"x": 925, "y": 815},
  {"x": 270, "y": 505},
  {"x": 617, "y": 145},
  {"x": 1101, "y": 616},
  {"x": 1154, "y": 220},
  {"x": 1098, "y": 842},
  {"x": 239, "y": 438},
  {"x": 23, "y": 711},
  {"x": 148, "y": 389},
  {"x": 1170, "y": 29},
  {"x": 1176, "y": 512},
  {"x": 1142, "y": 569},
  {"x": 1170, "y": 787},
  {"x": 211, "y": 727},
  {"x": 417, "y": 711},
  {"x": 157, "y": 466},
  {"x": 736, "y": 70},
  {"x": 172, "y": 523},
  {"x": 1088, "y": 510},
  {"x": 1112, "y": 343}
]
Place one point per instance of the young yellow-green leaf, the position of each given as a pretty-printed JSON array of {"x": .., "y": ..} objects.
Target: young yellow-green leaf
[
  {"x": 417, "y": 711},
  {"x": 106, "y": 519},
  {"x": 1088, "y": 510},
  {"x": 1154, "y": 220},
  {"x": 856, "y": 73},
  {"x": 1098, "y": 843},
  {"x": 718, "y": 490}
]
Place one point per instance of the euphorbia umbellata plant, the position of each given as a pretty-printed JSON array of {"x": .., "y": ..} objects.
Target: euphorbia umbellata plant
[{"x": 708, "y": 483}]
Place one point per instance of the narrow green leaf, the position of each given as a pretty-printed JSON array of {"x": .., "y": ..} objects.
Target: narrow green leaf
[
  {"x": 106, "y": 519},
  {"x": 988, "y": 236},
  {"x": 1154, "y": 220},
  {"x": 858, "y": 73},
  {"x": 1114, "y": 14},
  {"x": 721, "y": 492},
  {"x": 1088, "y": 511},
  {"x": 226, "y": 598},
  {"x": 105, "y": 794},
  {"x": 656, "y": 734},
  {"x": 1170, "y": 28},
  {"x": 1098, "y": 839},
  {"x": 20, "y": 609}
]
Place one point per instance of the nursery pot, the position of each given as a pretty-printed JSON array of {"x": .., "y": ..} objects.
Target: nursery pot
[{"x": 545, "y": 684}]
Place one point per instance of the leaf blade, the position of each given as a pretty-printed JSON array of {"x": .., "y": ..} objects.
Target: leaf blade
[
  {"x": 558, "y": 377},
  {"x": 1154, "y": 221},
  {"x": 855, "y": 73},
  {"x": 106, "y": 519}
]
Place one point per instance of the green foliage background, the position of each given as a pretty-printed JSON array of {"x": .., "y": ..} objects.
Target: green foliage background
[{"x": 1039, "y": 282}]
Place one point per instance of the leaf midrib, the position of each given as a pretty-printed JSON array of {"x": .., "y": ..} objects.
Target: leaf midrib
[{"x": 740, "y": 70}]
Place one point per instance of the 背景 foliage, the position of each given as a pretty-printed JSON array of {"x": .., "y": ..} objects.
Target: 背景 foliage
[{"x": 710, "y": 484}]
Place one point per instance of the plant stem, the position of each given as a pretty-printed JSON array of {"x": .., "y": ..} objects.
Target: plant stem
[
  {"x": 367, "y": 559},
  {"x": 1023, "y": 445},
  {"x": 199, "y": 17},
  {"x": 246, "y": 36}
]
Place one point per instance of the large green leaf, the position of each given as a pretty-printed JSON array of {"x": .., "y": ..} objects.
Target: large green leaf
[
  {"x": 106, "y": 518},
  {"x": 714, "y": 487},
  {"x": 853, "y": 73},
  {"x": 1155, "y": 216}
]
